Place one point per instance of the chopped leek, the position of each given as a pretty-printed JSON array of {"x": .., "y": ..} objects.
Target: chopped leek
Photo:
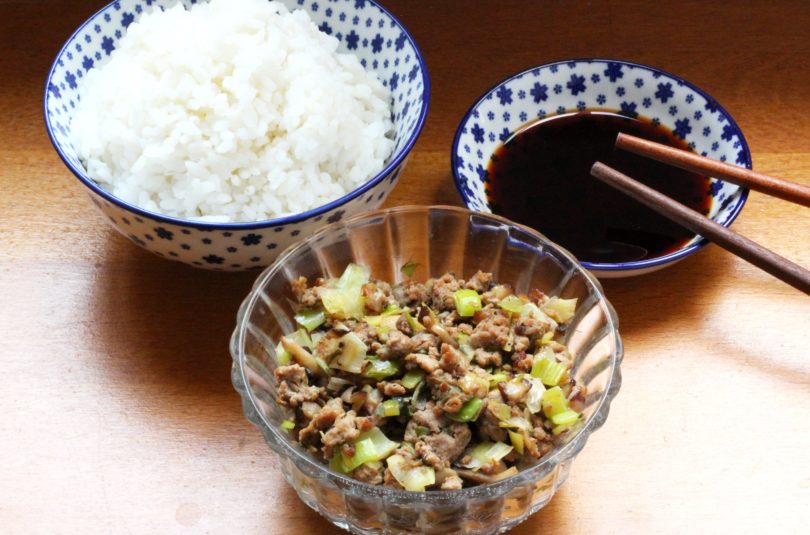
[
  {"x": 282, "y": 356},
  {"x": 374, "y": 321},
  {"x": 301, "y": 355},
  {"x": 336, "y": 464},
  {"x": 497, "y": 378},
  {"x": 413, "y": 479},
  {"x": 553, "y": 374},
  {"x": 469, "y": 411},
  {"x": 509, "y": 472},
  {"x": 387, "y": 408},
  {"x": 566, "y": 427},
  {"x": 464, "y": 346},
  {"x": 337, "y": 384},
  {"x": 302, "y": 338},
  {"x": 473, "y": 384},
  {"x": 414, "y": 324},
  {"x": 546, "y": 368},
  {"x": 391, "y": 310},
  {"x": 388, "y": 323},
  {"x": 310, "y": 319},
  {"x": 560, "y": 309},
  {"x": 534, "y": 401},
  {"x": 467, "y": 302},
  {"x": 323, "y": 365},
  {"x": 409, "y": 268},
  {"x": 517, "y": 441},
  {"x": 547, "y": 338},
  {"x": 533, "y": 311},
  {"x": 540, "y": 366},
  {"x": 289, "y": 425},
  {"x": 565, "y": 418},
  {"x": 487, "y": 453},
  {"x": 381, "y": 369},
  {"x": 412, "y": 378},
  {"x": 354, "y": 276},
  {"x": 512, "y": 304},
  {"x": 500, "y": 410},
  {"x": 353, "y": 357},
  {"x": 376, "y": 465},
  {"x": 388, "y": 318},
  {"x": 343, "y": 303},
  {"x": 554, "y": 402},
  {"x": 516, "y": 422},
  {"x": 372, "y": 445}
]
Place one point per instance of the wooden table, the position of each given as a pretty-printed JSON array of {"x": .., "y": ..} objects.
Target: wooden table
[{"x": 116, "y": 409}]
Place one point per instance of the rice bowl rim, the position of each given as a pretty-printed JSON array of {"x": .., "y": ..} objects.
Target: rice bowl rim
[{"x": 395, "y": 162}]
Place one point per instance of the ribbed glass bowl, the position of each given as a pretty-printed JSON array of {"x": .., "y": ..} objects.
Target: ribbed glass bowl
[{"x": 438, "y": 240}]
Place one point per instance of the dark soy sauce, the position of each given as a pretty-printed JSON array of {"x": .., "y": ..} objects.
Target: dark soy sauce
[{"x": 540, "y": 177}]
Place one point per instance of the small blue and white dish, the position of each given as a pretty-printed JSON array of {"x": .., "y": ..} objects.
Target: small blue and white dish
[
  {"x": 363, "y": 28},
  {"x": 625, "y": 88}
]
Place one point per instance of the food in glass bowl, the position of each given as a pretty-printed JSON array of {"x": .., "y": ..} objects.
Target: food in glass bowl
[{"x": 440, "y": 385}]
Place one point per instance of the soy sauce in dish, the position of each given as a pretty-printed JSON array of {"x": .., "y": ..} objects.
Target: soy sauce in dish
[{"x": 540, "y": 177}]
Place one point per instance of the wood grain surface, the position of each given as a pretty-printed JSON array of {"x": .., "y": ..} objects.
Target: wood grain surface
[{"x": 116, "y": 410}]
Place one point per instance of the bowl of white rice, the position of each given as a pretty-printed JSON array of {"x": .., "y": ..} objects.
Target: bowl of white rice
[{"x": 219, "y": 133}]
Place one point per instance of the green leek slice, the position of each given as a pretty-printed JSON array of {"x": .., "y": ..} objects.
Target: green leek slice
[
  {"x": 467, "y": 302},
  {"x": 353, "y": 357},
  {"x": 500, "y": 410},
  {"x": 353, "y": 276},
  {"x": 565, "y": 418},
  {"x": 343, "y": 303},
  {"x": 534, "y": 401},
  {"x": 381, "y": 369},
  {"x": 372, "y": 445},
  {"x": 560, "y": 309},
  {"x": 509, "y": 472},
  {"x": 554, "y": 402},
  {"x": 497, "y": 378},
  {"x": 289, "y": 425},
  {"x": 414, "y": 479},
  {"x": 282, "y": 356},
  {"x": 469, "y": 411},
  {"x": 516, "y": 422},
  {"x": 487, "y": 453},
  {"x": 408, "y": 269},
  {"x": 337, "y": 465},
  {"x": 512, "y": 304},
  {"x": 388, "y": 408},
  {"x": 412, "y": 378},
  {"x": 414, "y": 324},
  {"x": 310, "y": 319},
  {"x": 517, "y": 441}
]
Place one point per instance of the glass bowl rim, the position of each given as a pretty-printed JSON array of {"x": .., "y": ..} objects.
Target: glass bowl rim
[{"x": 572, "y": 447}]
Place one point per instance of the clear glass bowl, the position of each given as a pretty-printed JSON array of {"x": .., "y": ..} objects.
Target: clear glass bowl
[{"x": 438, "y": 240}]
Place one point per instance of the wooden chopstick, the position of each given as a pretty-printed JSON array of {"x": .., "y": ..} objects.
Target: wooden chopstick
[
  {"x": 748, "y": 250},
  {"x": 776, "y": 187}
]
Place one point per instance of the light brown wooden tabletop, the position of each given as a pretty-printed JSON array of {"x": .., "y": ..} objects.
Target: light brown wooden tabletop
[{"x": 116, "y": 409}]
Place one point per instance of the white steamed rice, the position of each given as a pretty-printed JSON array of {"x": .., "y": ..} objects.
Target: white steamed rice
[{"x": 234, "y": 110}]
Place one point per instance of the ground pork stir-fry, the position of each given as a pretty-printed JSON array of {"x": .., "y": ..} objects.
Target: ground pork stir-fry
[{"x": 427, "y": 386}]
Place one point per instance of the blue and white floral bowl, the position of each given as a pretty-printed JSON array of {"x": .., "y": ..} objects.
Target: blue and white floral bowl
[
  {"x": 598, "y": 84},
  {"x": 363, "y": 28}
]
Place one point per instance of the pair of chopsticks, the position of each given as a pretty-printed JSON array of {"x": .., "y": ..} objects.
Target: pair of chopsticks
[{"x": 748, "y": 250}]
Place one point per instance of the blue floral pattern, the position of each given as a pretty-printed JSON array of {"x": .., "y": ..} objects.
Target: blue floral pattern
[
  {"x": 630, "y": 89},
  {"x": 361, "y": 26}
]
